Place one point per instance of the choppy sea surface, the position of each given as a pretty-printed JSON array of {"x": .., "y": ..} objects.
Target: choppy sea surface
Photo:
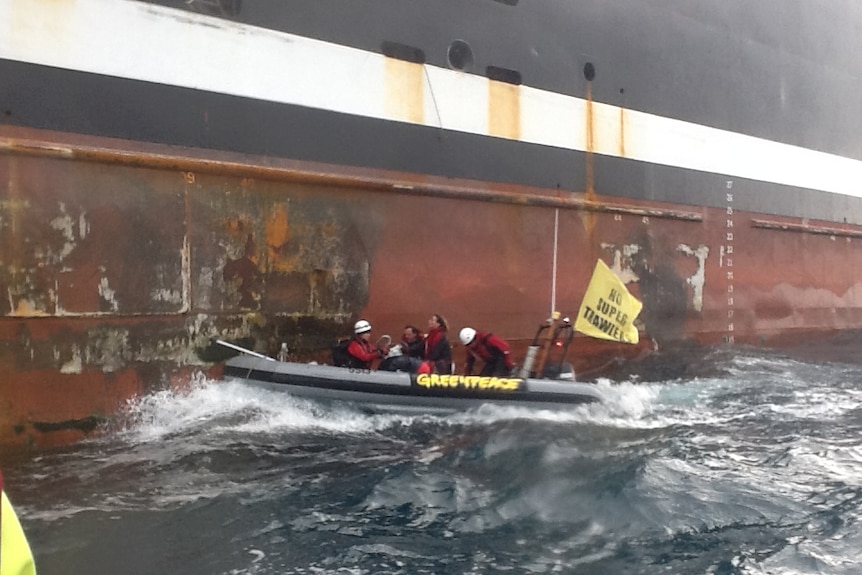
[{"x": 755, "y": 468}]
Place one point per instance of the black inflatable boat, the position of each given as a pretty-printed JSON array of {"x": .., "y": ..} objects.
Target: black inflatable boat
[{"x": 403, "y": 391}]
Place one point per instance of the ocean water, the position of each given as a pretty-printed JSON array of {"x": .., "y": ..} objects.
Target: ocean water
[{"x": 754, "y": 467}]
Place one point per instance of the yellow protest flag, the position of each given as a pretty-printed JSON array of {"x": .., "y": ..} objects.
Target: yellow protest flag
[
  {"x": 15, "y": 555},
  {"x": 608, "y": 310}
]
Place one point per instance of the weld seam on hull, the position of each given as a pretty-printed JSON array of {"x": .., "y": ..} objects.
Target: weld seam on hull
[
  {"x": 240, "y": 169},
  {"x": 805, "y": 229}
]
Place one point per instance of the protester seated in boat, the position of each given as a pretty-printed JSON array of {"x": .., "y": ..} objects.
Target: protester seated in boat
[
  {"x": 361, "y": 349},
  {"x": 413, "y": 342},
  {"x": 411, "y": 351},
  {"x": 491, "y": 349},
  {"x": 438, "y": 352}
]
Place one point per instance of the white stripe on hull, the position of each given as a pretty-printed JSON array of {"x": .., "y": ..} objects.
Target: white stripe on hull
[{"x": 155, "y": 44}]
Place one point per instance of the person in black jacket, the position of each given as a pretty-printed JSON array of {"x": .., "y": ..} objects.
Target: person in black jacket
[
  {"x": 412, "y": 348},
  {"x": 413, "y": 342}
]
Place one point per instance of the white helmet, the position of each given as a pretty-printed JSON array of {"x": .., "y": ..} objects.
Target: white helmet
[
  {"x": 467, "y": 335},
  {"x": 361, "y": 326}
]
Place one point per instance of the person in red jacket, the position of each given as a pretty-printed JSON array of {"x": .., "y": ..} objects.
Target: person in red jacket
[
  {"x": 437, "y": 349},
  {"x": 361, "y": 349},
  {"x": 492, "y": 349}
]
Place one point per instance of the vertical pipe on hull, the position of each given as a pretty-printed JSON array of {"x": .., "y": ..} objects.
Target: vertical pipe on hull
[{"x": 554, "y": 264}]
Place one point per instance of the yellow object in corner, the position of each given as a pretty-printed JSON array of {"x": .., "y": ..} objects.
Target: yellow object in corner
[{"x": 15, "y": 555}]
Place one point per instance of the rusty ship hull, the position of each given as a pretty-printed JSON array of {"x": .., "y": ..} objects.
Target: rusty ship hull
[{"x": 268, "y": 172}]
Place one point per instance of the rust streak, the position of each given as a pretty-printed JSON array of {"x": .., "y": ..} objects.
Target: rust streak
[
  {"x": 803, "y": 228},
  {"x": 187, "y": 252},
  {"x": 504, "y": 110},
  {"x": 622, "y": 150},
  {"x": 405, "y": 91},
  {"x": 590, "y": 140},
  {"x": 589, "y": 217},
  {"x": 277, "y": 236}
]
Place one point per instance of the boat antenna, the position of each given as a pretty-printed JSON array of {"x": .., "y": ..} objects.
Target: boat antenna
[{"x": 554, "y": 264}]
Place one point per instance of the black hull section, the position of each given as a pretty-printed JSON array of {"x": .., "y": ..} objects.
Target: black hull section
[{"x": 783, "y": 70}]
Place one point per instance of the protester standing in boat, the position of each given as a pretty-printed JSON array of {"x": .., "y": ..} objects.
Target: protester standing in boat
[
  {"x": 437, "y": 349},
  {"x": 491, "y": 349},
  {"x": 361, "y": 349}
]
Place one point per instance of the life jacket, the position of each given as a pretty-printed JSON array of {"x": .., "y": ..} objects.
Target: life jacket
[
  {"x": 363, "y": 352},
  {"x": 340, "y": 356},
  {"x": 438, "y": 350},
  {"x": 437, "y": 345},
  {"x": 426, "y": 367},
  {"x": 490, "y": 345}
]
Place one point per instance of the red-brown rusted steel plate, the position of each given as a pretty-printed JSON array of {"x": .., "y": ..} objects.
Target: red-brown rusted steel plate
[{"x": 120, "y": 263}]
